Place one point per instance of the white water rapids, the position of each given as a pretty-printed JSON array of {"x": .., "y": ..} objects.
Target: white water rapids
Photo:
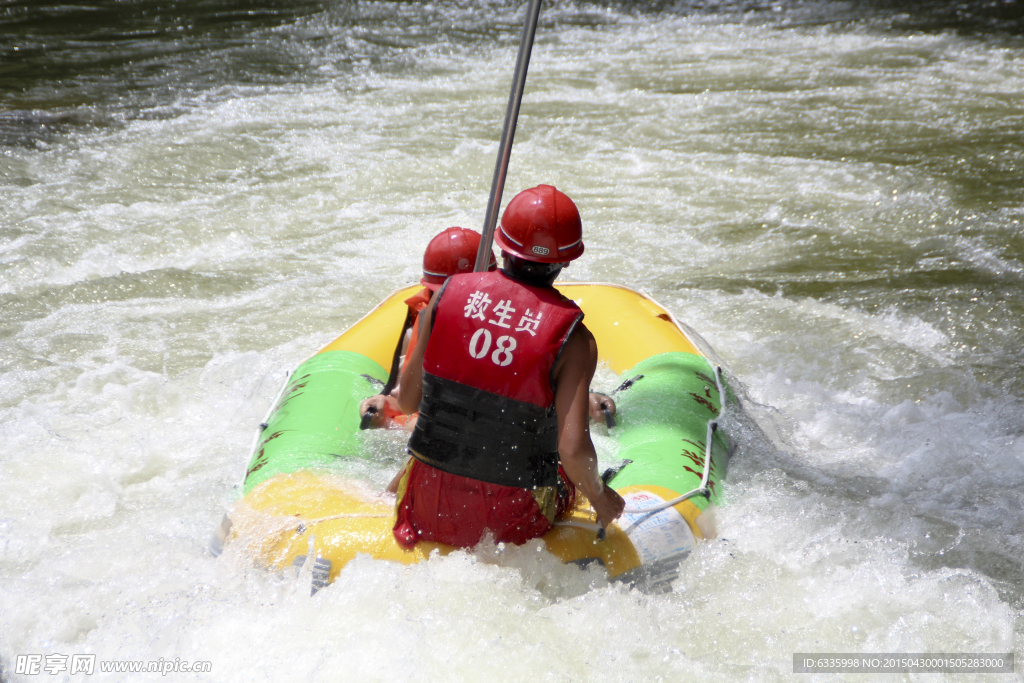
[{"x": 832, "y": 206}]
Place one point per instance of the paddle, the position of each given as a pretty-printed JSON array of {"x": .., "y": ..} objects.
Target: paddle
[
  {"x": 483, "y": 254},
  {"x": 515, "y": 98}
]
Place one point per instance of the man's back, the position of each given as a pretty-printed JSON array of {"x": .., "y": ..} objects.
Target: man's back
[{"x": 501, "y": 376}]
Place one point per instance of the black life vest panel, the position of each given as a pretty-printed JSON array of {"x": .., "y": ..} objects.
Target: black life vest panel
[{"x": 488, "y": 410}]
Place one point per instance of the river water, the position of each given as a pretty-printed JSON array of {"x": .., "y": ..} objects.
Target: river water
[{"x": 196, "y": 199}]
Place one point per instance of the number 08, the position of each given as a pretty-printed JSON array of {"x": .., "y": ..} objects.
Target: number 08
[{"x": 480, "y": 344}]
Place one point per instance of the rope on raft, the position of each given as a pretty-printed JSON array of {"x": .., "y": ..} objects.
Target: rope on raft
[
  {"x": 264, "y": 423},
  {"x": 281, "y": 524},
  {"x": 303, "y": 524}
]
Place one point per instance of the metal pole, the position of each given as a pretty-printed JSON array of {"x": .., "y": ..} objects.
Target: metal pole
[{"x": 483, "y": 257}]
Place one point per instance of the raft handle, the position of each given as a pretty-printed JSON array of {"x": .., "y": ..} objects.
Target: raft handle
[
  {"x": 627, "y": 384},
  {"x": 609, "y": 419},
  {"x": 321, "y": 572},
  {"x": 364, "y": 422}
]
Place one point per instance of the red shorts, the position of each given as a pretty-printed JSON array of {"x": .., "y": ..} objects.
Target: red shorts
[{"x": 447, "y": 508}]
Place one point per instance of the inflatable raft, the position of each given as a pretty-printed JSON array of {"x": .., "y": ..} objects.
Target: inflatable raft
[{"x": 296, "y": 502}]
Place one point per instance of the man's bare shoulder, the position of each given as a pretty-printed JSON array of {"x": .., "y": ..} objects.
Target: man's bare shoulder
[
  {"x": 581, "y": 333},
  {"x": 580, "y": 351}
]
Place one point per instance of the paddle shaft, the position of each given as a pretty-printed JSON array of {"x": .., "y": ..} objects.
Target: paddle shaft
[
  {"x": 515, "y": 98},
  {"x": 483, "y": 258},
  {"x": 483, "y": 255}
]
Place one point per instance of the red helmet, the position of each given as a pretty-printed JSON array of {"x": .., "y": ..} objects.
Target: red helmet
[
  {"x": 541, "y": 224},
  {"x": 452, "y": 251}
]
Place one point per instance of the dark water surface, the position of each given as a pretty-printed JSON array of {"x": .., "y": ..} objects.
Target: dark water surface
[{"x": 100, "y": 62}]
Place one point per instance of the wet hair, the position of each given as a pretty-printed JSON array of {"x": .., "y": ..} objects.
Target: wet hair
[{"x": 530, "y": 272}]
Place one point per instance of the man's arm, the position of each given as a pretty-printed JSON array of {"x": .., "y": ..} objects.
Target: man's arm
[
  {"x": 573, "y": 373},
  {"x": 412, "y": 377}
]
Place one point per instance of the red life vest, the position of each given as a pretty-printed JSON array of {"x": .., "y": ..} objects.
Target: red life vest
[
  {"x": 416, "y": 303},
  {"x": 488, "y": 399}
]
